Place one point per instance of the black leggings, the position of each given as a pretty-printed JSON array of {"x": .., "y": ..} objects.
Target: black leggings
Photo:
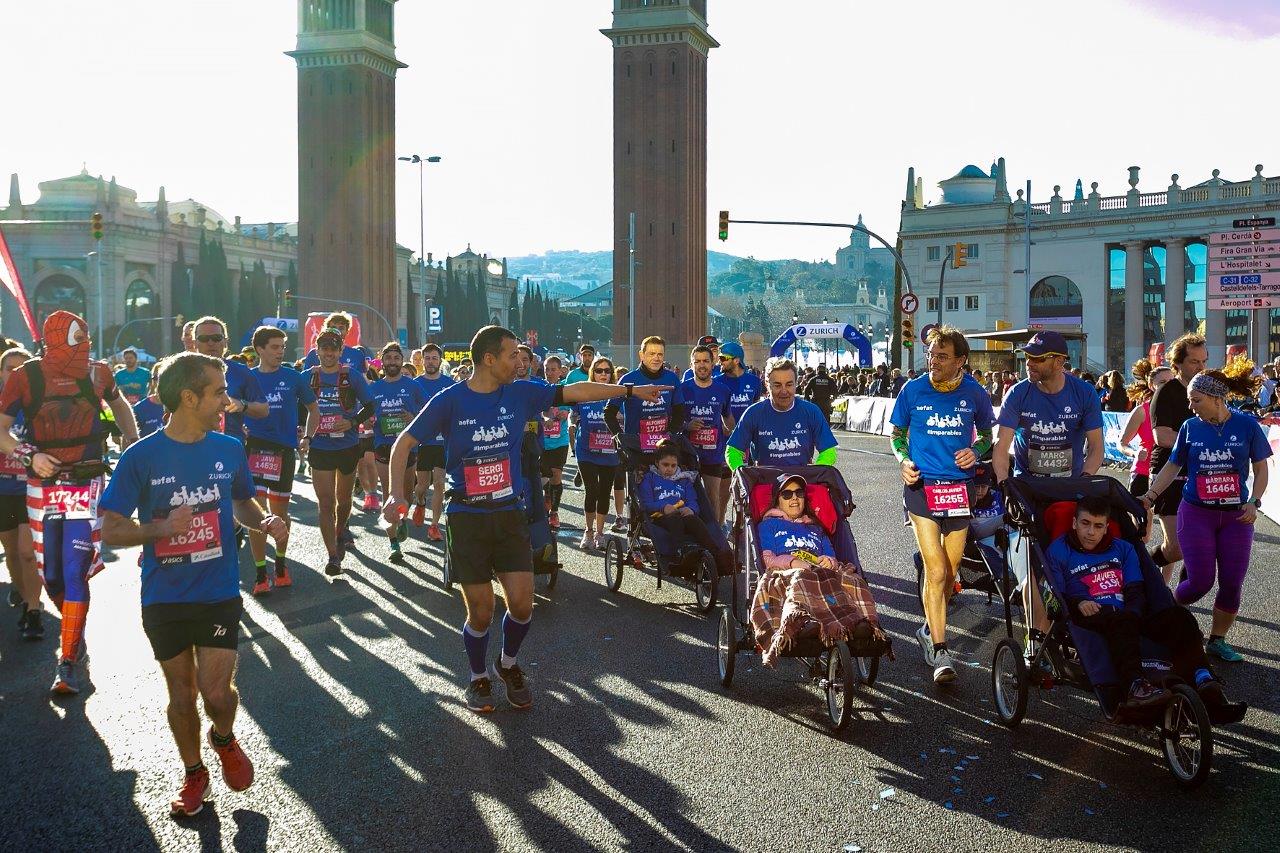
[
  {"x": 597, "y": 480},
  {"x": 1174, "y": 627},
  {"x": 681, "y": 526}
]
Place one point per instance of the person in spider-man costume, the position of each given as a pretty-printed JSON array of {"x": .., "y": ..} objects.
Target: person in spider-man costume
[{"x": 65, "y": 471}]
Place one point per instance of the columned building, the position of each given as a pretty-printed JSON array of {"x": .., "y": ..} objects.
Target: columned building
[
  {"x": 1128, "y": 270},
  {"x": 660, "y": 52},
  {"x": 346, "y": 152}
]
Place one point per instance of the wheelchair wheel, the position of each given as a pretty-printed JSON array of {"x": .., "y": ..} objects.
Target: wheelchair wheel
[
  {"x": 726, "y": 646},
  {"x": 867, "y": 669},
  {"x": 704, "y": 583},
  {"x": 613, "y": 562},
  {"x": 839, "y": 686},
  {"x": 446, "y": 569},
  {"x": 1186, "y": 737},
  {"x": 1010, "y": 686},
  {"x": 551, "y": 555}
]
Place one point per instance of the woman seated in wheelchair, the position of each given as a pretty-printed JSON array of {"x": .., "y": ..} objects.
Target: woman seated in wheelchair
[
  {"x": 1101, "y": 580},
  {"x": 670, "y": 501},
  {"x": 805, "y": 588}
]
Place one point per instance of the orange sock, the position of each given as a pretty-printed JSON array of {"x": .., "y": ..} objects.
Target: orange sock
[{"x": 74, "y": 614}]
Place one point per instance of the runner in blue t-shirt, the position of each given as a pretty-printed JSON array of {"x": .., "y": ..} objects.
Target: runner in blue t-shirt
[
  {"x": 651, "y": 420},
  {"x": 941, "y": 428},
  {"x": 131, "y": 379},
  {"x": 597, "y": 455},
  {"x": 242, "y": 388},
  {"x": 15, "y": 530},
  {"x": 397, "y": 399},
  {"x": 273, "y": 444},
  {"x": 783, "y": 430},
  {"x": 429, "y": 469},
  {"x": 555, "y": 444},
  {"x": 343, "y": 402},
  {"x": 483, "y": 421},
  {"x": 708, "y": 424},
  {"x": 189, "y": 485},
  {"x": 712, "y": 343},
  {"x": 149, "y": 414}
]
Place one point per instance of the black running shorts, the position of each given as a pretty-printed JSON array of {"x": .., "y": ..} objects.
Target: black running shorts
[
  {"x": 382, "y": 454},
  {"x": 174, "y": 628},
  {"x": 13, "y": 511},
  {"x": 713, "y": 469},
  {"x": 343, "y": 461},
  {"x": 483, "y": 545},
  {"x": 553, "y": 459},
  {"x": 430, "y": 456},
  {"x": 913, "y": 499},
  {"x": 282, "y": 486}
]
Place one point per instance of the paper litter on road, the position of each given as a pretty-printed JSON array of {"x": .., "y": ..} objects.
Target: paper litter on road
[
  {"x": 1102, "y": 785},
  {"x": 971, "y": 758},
  {"x": 1035, "y": 776},
  {"x": 852, "y": 848},
  {"x": 989, "y": 800},
  {"x": 887, "y": 793},
  {"x": 958, "y": 767},
  {"x": 948, "y": 805}
]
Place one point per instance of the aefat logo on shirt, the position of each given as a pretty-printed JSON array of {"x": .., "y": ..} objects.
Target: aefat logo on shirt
[
  {"x": 163, "y": 481},
  {"x": 487, "y": 434},
  {"x": 1042, "y": 428},
  {"x": 781, "y": 444},
  {"x": 800, "y": 543},
  {"x": 276, "y": 397}
]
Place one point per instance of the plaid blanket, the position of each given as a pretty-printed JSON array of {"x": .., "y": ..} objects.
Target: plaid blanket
[{"x": 788, "y": 601}]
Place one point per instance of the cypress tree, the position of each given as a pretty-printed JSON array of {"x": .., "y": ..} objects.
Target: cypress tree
[{"x": 513, "y": 312}]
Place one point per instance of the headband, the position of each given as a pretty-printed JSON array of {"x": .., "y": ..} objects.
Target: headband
[{"x": 1203, "y": 383}]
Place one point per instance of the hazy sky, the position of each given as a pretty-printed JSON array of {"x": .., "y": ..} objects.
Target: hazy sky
[{"x": 817, "y": 107}]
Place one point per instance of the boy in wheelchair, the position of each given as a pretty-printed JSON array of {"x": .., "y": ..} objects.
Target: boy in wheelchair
[
  {"x": 668, "y": 498},
  {"x": 1101, "y": 580}
]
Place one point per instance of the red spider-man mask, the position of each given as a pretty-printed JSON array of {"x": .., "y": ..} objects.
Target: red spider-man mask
[{"x": 66, "y": 342}]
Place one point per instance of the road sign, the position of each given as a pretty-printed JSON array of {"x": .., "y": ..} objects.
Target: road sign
[
  {"x": 1256, "y": 222},
  {"x": 1244, "y": 250},
  {"x": 924, "y": 332},
  {"x": 1243, "y": 303},
  {"x": 435, "y": 319},
  {"x": 909, "y": 303},
  {"x": 1250, "y": 284},
  {"x": 1246, "y": 235},
  {"x": 1244, "y": 265},
  {"x": 284, "y": 324}
]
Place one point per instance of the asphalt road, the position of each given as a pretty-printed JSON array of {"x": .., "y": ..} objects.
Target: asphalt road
[{"x": 351, "y": 710}]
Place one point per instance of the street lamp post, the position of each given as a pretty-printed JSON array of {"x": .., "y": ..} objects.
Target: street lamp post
[
  {"x": 422, "y": 229},
  {"x": 96, "y": 254}
]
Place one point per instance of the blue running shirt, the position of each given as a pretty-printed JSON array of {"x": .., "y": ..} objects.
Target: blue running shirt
[
  {"x": 744, "y": 392},
  {"x": 709, "y": 405},
  {"x": 133, "y": 383},
  {"x": 331, "y": 409},
  {"x": 1217, "y": 459},
  {"x": 157, "y": 474},
  {"x": 1049, "y": 429},
  {"x": 593, "y": 442},
  {"x": 149, "y": 415},
  {"x": 432, "y": 387},
  {"x": 783, "y": 536},
  {"x": 352, "y": 357},
  {"x": 241, "y": 385},
  {"x": 782, "y": 439},
  {"x": 939, "y": 425},
  {"x": 284, "y": 389},
  {"x": 395, "y": 404},
  {"x": 645, "y": 419}
]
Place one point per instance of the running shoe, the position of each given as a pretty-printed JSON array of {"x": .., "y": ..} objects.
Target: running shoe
[
  {"x": 1222, "y": 711},
  {"x": 1223, "y": 650},
  {"x": 588, "y": 542},
  {"x": 33, "y": 625},
  {"x": 944, "y": 672},
  {"x": 15, "y": 598},
  {"x": 334, "y": 567},
  {"x": 480, "y": 696},
  {"x": 375, "y": 503},
  {"x": 600, "y": 541},
  {"x": 517, "y": 690},
  {"x": 554, "y": 520},
  {"x": 282, "y": 574},
  {"x": 402, "y": 531},
  {"x": 237, "y": 769},
  {"x": 926, "y": 644},
  {"x": 22, "y": 614},
  {"x": 368, "y": 503},
  {"x": 434, "y": 534},
  {"x": 420, "y": 515},
  {"x": 1144, "y": 694},
  {"x": 261, "y": 586},
  {"x": 191, "y": 797},
  {"x": 396, "y": 556},
  {"x": 66, "y": 681},
  {"x": 619, "y": 525}
]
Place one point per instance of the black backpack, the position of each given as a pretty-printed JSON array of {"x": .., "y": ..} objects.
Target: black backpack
[{"x": 85, "y": 391}]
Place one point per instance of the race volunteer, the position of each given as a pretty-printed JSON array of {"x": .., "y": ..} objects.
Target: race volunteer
[
  {"x": 59, "y": 397},
  {"x": 712, "y": 343},
  {"x": 131, "y": 379},
  {"x": 707, "y": 404},
  {"x": 430, "y": 464},
  {"x": 821, "y": 390},
  {"x": 396, "y": 400},
  {"x": 1047, "y": 419},
  {"x": 597, "y": 457},
  {"x": 15, "y": 531},
  {"x": 342, "y": 398},
  {"x": 650, "y": 419},
  {"x": 555, "y": 445},
  {"x": 272, "y": 445},
  {"x": 781, "y": 431},
  {"x": 483, "y": 421},
  {"x": 935, "y": 419},
  {"x": 1218, "y": 448},
  {"x": 189, "y": 485},
  {"x": 1170, "y": 409}
]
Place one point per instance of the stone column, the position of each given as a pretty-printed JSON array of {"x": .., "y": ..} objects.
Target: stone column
[
  {"x": 1175, "y": 288},
  {"x": 1133, "y": 276},
  {"x": 1260, "y": 337},
  {"x": 1215, "y": 335}
]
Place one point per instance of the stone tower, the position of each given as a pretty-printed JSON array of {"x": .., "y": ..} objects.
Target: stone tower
[
  {"x": 660, "y": 167},
  {"x": 346, "y": 157}
]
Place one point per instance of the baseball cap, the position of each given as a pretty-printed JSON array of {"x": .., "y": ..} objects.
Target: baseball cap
[
  {"x": 330, "y": 337},
  {"x": 1045, "y": 343},
  {"x": 708, "y": 341},
  {"x": 784, "y": 479},
  {"x": 733, "y": 349},
  {"x": 983, "y": 475},
  {"x": 586, "y": 347}
]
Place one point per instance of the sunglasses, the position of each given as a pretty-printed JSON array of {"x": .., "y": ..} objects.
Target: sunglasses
[
  {"x": 603, "y": 370},
  {"x": 1041, "y": 359},
  {"x": 210, "y": 339},
  {"x": 788, "y": 494},
  {"x": 725, "y": 357}
]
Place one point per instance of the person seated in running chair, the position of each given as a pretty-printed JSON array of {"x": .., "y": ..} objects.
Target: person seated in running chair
[{"x": 667, "y": 495}]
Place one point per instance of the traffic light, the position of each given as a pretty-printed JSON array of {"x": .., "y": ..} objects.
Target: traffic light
[
  {"x": 908, "y": 332},
  {"x": 288, "y": 296},
  {"x": 95, "y": 225},
  {"x": 724, "y": 225},
  {"x": 959, "y": 254}
]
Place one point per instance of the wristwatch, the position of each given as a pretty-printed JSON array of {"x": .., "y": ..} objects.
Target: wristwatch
[
  {"x": 1257, "y": 502},
  {"x": 631, "y": 388},
  {"x": 24, "y": 453}
]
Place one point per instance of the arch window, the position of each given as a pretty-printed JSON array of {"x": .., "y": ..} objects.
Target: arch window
[
  {"x": 1056, "y": 301},
  {"x": 59, "y": 292}
]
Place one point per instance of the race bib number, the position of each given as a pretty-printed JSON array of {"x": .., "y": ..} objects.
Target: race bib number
[
  {"x": 600, "y": 441},
  {"x": 552, "y": 428},
  {"x": 265, "y": 464},
  {"x": 1220, "y": 488},
  {"x": 133, "y": 398},
  {"x": 393, "y": 423},
  {"x": 1107, "y": 583},
  {"x": 327, "y": 424},
  {"x": 10, "y": 467},
  {"x": 71, "y": 500},
  {"x": 706, "y": 438},
  {"x": 202, "y": 541},
  {"x": 1049, "y": 461},
  {"x": 947, "y": 499},
  {"x": 487, "y": 478},
  {"x": 652, "y": 432}
]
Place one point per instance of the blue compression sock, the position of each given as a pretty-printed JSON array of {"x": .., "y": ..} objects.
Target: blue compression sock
[
  {"x": 477, "y": 646},
  {"x": 513, "y": 634}
]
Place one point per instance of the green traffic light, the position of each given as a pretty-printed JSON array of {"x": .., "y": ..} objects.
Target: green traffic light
[{"x": 724, "y": 235}]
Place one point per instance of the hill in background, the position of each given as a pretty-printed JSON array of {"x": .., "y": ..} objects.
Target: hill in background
[{"x": 574, "y": 268}]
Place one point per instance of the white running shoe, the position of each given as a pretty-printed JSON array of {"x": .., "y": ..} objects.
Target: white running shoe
[
  {"x": 943, "y": 670},
  {"x": 926, "y": 644},
  {"x": 587, "y": 543}
]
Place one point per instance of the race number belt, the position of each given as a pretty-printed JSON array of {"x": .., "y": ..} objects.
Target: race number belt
[
  {"x": 1222, "y": 487},
  {"x": 947, "y": 499},
  {"x": 706, "y": 438},
  {"x": 652, "y": 432},
  {"x": 1049, "y": 461},
  {"x": 552, "y": 428},
  {"x": 393, "y": 423},
  {"x": 487, "y": 478},
  {"x": 266, "y": 464},
  {"x": 600, "y": 441},
  {"x": 71, "y": 500},
  {"x": 328, "y": 422},
  {"x": 1107, "y": 583},
  {"x": 201, "y": 541}
]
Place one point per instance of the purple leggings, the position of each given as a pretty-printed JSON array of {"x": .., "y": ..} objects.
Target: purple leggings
[{"x": 1215, "y": 543}]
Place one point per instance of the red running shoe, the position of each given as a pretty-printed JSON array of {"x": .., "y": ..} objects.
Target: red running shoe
[
  {"x": 237, "y": 769},
  {"x": 261, "y": 587},
  {"x": 420, "y": 515},
  {"x": 554, "y": 521},
  {"x": 191, "y": 797},
  {"x": 434, "y": 534},
  {"x": 282, "y": 574}
]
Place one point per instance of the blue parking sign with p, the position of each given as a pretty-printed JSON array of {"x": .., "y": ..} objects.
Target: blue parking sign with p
[{"x": 435, "y": 318}]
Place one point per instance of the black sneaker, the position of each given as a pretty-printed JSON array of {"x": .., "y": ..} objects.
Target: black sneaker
[
  {"x": 33, "y": 625},
  {"x": 517, "y": 690},
  {"x": 1222, "y": 711},
  {"x": 15, "y": 598},
  {"x": 480, "y": 696},
  {"x": 396, "y": 556},
  {"x": 333, "y": 568},
  {"x": 1144, "y": 694},
  {"x": 22, "y": 614}
]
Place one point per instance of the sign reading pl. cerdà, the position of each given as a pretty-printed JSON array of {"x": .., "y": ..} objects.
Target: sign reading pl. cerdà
[{"x": 819, "y": 330}]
